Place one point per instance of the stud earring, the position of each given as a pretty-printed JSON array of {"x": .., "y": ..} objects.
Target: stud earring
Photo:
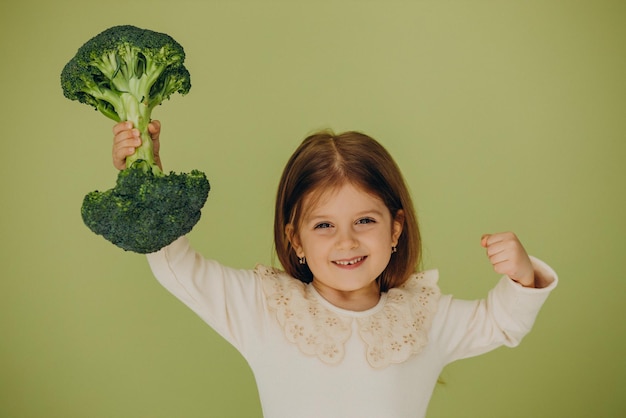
[
  {"x": 302, "y": 260},
  {"x": 394, "y": 249}
]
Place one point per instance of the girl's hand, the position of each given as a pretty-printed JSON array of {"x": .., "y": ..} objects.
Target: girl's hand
[
  {"x": 126, "y": 139},
  {"x": 508, "y": 256}
]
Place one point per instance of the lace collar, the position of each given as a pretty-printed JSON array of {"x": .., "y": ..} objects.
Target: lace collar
[{"x": 393, "y": 331}]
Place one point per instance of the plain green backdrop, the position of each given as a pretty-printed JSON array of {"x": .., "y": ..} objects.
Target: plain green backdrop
[{"x": 503, "y": 115}]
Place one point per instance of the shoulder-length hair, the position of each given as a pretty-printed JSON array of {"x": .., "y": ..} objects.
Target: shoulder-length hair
[{"x": 325, "y": 161}]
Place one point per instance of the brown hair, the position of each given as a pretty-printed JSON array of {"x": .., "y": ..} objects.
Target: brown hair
[{"x": 325, "y": 161}]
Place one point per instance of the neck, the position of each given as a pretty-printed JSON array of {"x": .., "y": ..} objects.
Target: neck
[{"x": 351, "y": 300}]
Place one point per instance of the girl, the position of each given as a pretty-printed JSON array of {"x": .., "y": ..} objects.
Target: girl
[{"x": 349, "y": 328}]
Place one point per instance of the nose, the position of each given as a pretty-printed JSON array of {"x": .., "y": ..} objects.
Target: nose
[{"x": 346, "y": 239}]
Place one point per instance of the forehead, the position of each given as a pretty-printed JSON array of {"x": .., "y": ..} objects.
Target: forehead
[{"x": 345, "y": 197}]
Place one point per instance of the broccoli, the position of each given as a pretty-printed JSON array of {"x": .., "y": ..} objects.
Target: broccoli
[{"x": 125, "y": 72}]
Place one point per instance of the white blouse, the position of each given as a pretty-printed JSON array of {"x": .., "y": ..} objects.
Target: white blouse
[{"x": 313, "y": 359}]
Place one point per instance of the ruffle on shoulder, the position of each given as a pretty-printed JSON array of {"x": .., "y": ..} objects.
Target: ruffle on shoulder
[{"x": 392, "y": 334}]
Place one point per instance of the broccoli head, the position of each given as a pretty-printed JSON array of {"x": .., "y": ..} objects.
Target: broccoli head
[
  {"x": 144, "y": 212},
  {"x": 125, "y": 72}
]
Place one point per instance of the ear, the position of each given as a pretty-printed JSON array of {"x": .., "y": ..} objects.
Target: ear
[
  {"x": 397, "y": 226},
  {"x": 294, "y": 240}
]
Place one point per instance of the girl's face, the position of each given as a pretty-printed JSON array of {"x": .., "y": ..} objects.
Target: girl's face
[{"x": 347, "y": 237}]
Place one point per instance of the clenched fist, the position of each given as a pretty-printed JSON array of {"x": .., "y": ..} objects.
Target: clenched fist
[{"x": 508, "y": 256}]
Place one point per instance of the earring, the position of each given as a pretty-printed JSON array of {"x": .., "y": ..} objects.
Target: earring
[
  {"x": 302, "y": 260},
  {"x": 394, "y": 249}
]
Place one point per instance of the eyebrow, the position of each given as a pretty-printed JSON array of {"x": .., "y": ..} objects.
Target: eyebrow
[{"x": 313, "y": 216}]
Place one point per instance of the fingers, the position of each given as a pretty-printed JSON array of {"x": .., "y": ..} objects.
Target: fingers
[
  {"x": 499, "y": 243},
  {"x": 122, "y": 126},
  {"x": 484, "y": 239},
  {"x": 155, "y": 129},
  {"x": 508, "y": 257},
  {"x": 500, "y": 247},
  {"x": 125, "y": 140}
]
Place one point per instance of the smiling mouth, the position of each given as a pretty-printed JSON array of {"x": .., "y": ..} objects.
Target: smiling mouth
[{"x": 349, "y": 262}]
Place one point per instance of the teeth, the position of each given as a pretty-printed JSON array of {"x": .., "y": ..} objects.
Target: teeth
[{"x": 349, "y": 263}]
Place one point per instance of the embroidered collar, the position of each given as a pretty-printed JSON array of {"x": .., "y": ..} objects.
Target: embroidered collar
[{"x": 393, "y": 331}]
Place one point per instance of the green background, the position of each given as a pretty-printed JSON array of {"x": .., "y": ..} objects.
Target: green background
[{"x": 503, "y": 115}]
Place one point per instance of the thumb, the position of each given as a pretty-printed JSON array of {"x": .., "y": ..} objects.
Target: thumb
[{"x": 484, "y": 239}]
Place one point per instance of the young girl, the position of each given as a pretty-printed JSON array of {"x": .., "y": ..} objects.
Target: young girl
[{"x": 349, "y": 328}]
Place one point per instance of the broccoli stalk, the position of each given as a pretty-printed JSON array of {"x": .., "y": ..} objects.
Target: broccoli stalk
[
  {"x": 125, "y": 72},
  {"x": 139, "y": 114}
]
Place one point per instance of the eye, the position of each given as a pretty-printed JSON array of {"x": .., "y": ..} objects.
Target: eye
[
  {"x": 322, "y": 225},
  {"x": 365, "y": 221}
]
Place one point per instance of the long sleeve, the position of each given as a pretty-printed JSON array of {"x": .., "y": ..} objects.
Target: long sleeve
[
  {"x": 468, "y": 328},
  {"x": 227, "y": 299}
]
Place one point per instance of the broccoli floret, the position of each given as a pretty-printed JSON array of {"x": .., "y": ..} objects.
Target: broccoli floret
[
  {"x": 125, "y": 72},
  {"x": 144, "y": 212}
]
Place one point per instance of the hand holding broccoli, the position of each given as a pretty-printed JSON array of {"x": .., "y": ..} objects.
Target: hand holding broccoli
[
  {"x": 127, "y": 139},
  {"x": 125, "y": 72}
]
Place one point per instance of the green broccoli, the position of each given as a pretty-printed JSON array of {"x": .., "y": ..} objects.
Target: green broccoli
[{"x": 125, "y": 72}]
